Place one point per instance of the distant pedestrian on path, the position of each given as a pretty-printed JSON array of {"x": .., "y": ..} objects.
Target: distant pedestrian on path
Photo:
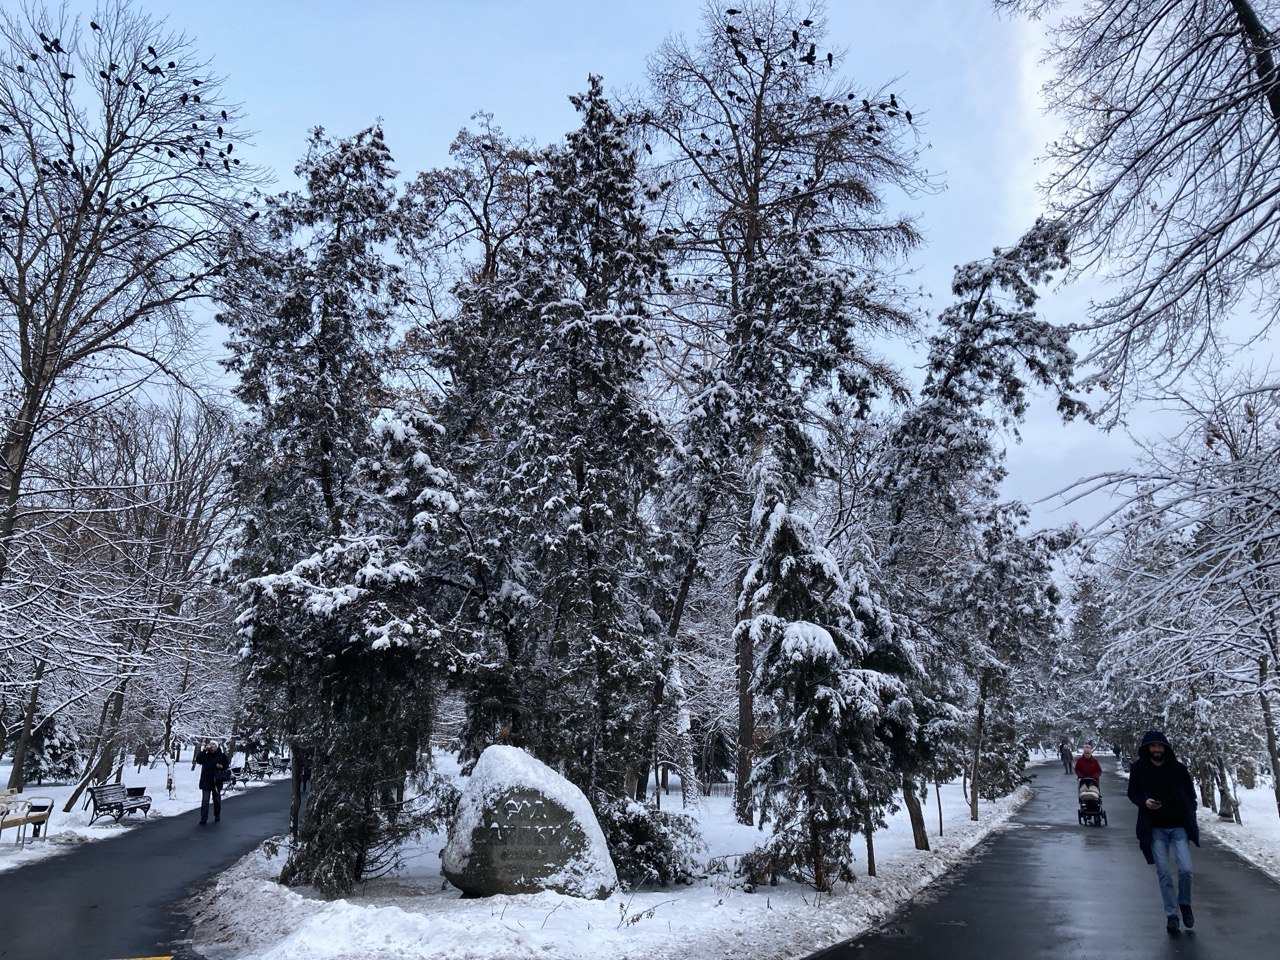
[
  {"x": 1161, "y": 789},
  {"x": 1088, "y": 765},
  {"x": 1064, "y": 754},
  {"x": 307, "y": 760},
  {"x": 215, "y": 770}
]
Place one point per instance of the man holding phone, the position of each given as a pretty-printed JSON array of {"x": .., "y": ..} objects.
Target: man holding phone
[{"x": 1160, "y": 787}]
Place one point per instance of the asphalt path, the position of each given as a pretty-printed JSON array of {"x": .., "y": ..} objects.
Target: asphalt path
[
  {"x": 1045, "y": 888},
  {"x": 121, "y": 897}
]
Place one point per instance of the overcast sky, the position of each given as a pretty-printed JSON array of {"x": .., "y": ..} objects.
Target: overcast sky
[{"x": 971, "y": 79}]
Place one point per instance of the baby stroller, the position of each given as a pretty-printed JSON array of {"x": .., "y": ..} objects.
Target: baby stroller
[{"x": 1091, "y": 813}]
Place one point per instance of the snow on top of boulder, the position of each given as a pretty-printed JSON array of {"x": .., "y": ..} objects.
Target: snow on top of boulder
[
  {"x": 503, "y": 768},
  {"x": 807, "y": 641}
]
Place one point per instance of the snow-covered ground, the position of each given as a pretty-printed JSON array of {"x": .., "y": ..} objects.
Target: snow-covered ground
[
  {"x": 415, "y": 914},
  {"x": 1257, "y": 836},
  {"x": 66, "y": 831}
]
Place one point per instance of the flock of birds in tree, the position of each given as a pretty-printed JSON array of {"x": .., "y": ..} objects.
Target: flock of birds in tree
[
  {"x": 202, "y": 149},
  {"x": 134, "y": 209},
  {"x": 868, "y": 122},
  {"x": 808, "y": 58}
]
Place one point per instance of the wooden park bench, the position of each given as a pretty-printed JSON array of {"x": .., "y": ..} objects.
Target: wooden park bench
[
  {"x": 115, "y": 800},
  {"x": 252, "y": 770},
  {"x": 22, "y": 812}
]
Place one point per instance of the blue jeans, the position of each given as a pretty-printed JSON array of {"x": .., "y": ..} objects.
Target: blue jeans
[
  {"x": 204, "y": 804},
  {"x": 1163, "y": 842}
]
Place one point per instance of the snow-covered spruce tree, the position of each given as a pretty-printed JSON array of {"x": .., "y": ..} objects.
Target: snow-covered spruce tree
[
  {"x": 777, "y": 169},
  {"x": 1075, "y": 671},
  {"x": 469, "y": 222},
  {"x": 924, "y": 743},
  {"x": 933, "y": 504},
  {"x": 310, "y": 306},
  {"x": 1005, "y": 605},
  {"x": 824, "y": 770},
  {"x": 940, "y": 469},
  {"x": 821, "y": 768},
  {"x": 546, "y": 425},
  {"x": 363, "y": 611},
  {"x": 587, "y": 452},
  {"x": 55, "y": 753},
  {"x": 797, "y": 327}
]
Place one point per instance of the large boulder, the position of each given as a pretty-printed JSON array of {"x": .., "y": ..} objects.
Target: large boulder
[{"x": 523, "y": 828}]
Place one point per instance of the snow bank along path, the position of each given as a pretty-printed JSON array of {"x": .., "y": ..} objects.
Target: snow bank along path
[
  {"x": 1257, "y": 837},
  {"x": 247, "y": 916}
]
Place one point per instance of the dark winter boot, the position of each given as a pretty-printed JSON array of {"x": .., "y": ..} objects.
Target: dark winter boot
[
  {"x": 1188, "y": 918},
  {"x": 1171, "y": 923}
]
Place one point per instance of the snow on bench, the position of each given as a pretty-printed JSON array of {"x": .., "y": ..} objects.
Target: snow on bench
[
  {"x": 252, "y": 770},
  {"x": 115, "y": 800},
  {"x": 23, "y": 812}
]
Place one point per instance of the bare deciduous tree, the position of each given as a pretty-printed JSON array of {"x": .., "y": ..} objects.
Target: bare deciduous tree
[
  {"x": 118, "y": 176},
  {"x": 1169, "y": 176}
]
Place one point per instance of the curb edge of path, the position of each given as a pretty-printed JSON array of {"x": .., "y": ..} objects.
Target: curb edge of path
[{"x": 947, "y": 875}]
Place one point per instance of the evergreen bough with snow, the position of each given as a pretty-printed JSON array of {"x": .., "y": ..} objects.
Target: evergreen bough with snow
[
  {"x": 342, "y": 509},
  {"x": 820, "y": 765}
]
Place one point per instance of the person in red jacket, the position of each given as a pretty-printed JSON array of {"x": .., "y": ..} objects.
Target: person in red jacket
[{"x": 1088, "y": 765}]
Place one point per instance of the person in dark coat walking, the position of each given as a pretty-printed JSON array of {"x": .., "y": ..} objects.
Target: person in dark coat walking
[
  {"x": 212, "y": 760},
  {"x": 1065, "y": 755},
  {"x": 1160, "y": 787}
]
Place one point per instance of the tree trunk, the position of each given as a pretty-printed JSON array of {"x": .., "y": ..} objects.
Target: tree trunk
[
  {"x": 1269, "y": 724},
  {"x": 28, "y": 725},
  {"x": 869, "y": 832},
  {"x": 1226, "y": 803},
  {"x": 977, "y": 744},
  {"x": 937, "y": 794},
  {"x": 912, "y": 801},
  {"x": 659, "y": 692},
  {"x": 92, "y": 765},
  {"x": 295, "y": 802},
  {"x": 105, "y": 748},
  {"x": 746, "y": 727},
  {"x": 1262, "y": 44},
  {"x": 19, "y": 433},
  {"x": 816, "y": 846},
  {"x": 233, "y": 742},
  {"x": 1205, "y": 783}
]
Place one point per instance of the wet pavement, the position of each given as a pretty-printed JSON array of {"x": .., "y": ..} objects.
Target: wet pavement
[
  {"x": 1045, "y": 888},
  {"x": 121, "y": 897}
]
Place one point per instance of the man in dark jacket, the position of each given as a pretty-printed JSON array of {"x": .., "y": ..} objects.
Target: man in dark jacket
[
  {"x": 1064, "y": 754},
  {"x": 211, "y": 760},
  {"x": 1160, "y": 787}
]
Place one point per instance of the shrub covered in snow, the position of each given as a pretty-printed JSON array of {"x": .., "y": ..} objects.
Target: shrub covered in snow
[
  {"x": 648, "y": 845},
  {"x": 54, "y": 753}
]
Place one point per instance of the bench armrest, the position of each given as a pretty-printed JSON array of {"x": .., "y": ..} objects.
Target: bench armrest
[{"x": 13, "y": 809}]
